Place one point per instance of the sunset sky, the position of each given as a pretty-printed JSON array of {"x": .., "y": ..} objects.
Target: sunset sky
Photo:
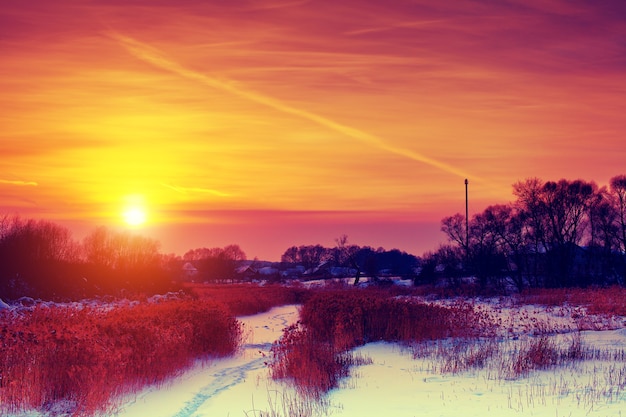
[{"x": 284, "y": 122}]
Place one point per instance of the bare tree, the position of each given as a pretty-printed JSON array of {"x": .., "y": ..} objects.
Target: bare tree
[
  {"x": 37, "y": 256},
  {"x": 454, "y": 228},
  {"x": 122, "y": 260},
  {"x": 309, "y": 256},
  {"x": 346, "y": 256},
  {"x": 291, "y": 255},
  {"x": 618, "y": 189},
  {"x": 215, "y": 264}
]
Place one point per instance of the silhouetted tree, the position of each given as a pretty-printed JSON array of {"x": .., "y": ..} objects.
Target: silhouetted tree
[
  {"x": 309, "y": 256},
  {"x": 121, "y": 260},
  {"x": 450, "y": 260},
  {"x": 345, "y": 255},
  {"x": 216, "y": 264},
  {"x": 508, "y": 225},
  {"x": 566, "y": 205},
  {"x": 37, "y": 258},
  {"x": 618, "y": 190},
  {"x": 485, "y": 254},
  {"x": 531, "y": 209},
  {"x": 555, "y": 234},
  {"x": 454, "y": 228},
  {"x": 429, "y": 273},
  {"x": 395, "y": 262},
  {"x": 602, "y": 239}
]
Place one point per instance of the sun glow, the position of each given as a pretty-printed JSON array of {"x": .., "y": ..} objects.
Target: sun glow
[
  {"x": 134, "y": 216},
  {"x": 134, "y": 212}
]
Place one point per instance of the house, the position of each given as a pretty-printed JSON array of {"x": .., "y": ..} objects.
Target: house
[{"x": 189, "y": 271}]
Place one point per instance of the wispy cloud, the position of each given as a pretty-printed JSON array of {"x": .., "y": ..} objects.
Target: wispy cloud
[
  {"x": 354, "y": 106},
  {"x": 157, "y": 58},
  {"x": 19, "y": 183},
  {"x": 269, "y": 5},
  {"x": 397, "y": 25},
  {"x": 189, "y": 190}
]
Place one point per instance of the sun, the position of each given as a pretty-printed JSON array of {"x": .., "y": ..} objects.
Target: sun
[{"x": 134, "y": 216}]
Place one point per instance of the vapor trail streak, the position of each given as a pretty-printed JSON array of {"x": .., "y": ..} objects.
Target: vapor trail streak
[{"x": 156, "y": 57}]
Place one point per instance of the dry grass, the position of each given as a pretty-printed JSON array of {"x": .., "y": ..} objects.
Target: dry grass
[
  {"x": 289, "y": 404},
  {"x": 505, "y": 359},
  {"x": 452, "y": 335},
  {"x": 247, "y": 299},
  {"x": 87, "y": 357},
  {"x": 606, "y": 301},
  {"x": 551, "y": 366},
  {"x": 314, "y": 353}
]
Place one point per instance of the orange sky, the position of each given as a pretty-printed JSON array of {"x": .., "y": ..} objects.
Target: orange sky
[{"x": 285, "y": 122}]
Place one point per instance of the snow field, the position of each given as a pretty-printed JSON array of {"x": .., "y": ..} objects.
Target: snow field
[
  {"x": 423, "y": 380},
  {"x": 397, "y": 384},
  {"x": 222, "y": 387}
]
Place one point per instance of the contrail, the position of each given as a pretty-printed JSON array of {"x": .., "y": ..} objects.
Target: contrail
[{"x": 157, "y": 58}]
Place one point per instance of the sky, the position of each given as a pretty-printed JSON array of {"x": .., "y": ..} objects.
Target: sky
[{"x": 275, "y": 123}]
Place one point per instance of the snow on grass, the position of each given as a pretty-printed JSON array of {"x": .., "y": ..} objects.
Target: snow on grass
[
  {"x": 398, "y": 385},
  {"x": 407, "y": 381},
  {"x": 223, "y": 387}
]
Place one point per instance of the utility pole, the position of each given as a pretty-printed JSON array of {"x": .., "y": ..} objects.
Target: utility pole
[{"x": 466, "y": 218}]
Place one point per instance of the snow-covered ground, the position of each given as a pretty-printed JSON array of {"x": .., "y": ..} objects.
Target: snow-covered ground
[
  {"x": 400, "y": 386},
  {"x": 396, "y": 384},
  {"x": 224, "y": 387}
]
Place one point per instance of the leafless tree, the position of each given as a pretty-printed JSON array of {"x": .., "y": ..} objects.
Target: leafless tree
[{"x": 346, "y": 256}]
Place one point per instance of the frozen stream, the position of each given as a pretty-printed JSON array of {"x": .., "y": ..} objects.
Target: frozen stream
[
  {"x": 224, "y": 387},
  {"x": 394, "y": 384}
]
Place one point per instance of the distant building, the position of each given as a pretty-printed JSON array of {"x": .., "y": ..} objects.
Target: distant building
[{"x": 189, "y": 271}]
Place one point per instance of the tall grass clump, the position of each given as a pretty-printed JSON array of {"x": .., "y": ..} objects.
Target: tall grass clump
[
  {"x": 314, "y": 352},
  {"x": 289, "y": 404},
  {"x": 247, "y": 299},
  {"x": 602, "y": 301},
  {"x": 88, "y": 357}
]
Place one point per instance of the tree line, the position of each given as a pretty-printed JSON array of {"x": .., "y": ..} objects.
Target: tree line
[
  {"x": 355, "y": 260},
  {"x": 554, "y": 234},
  {"x": 41, "y": 259},
  {"x": 215, "y": 264}
]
